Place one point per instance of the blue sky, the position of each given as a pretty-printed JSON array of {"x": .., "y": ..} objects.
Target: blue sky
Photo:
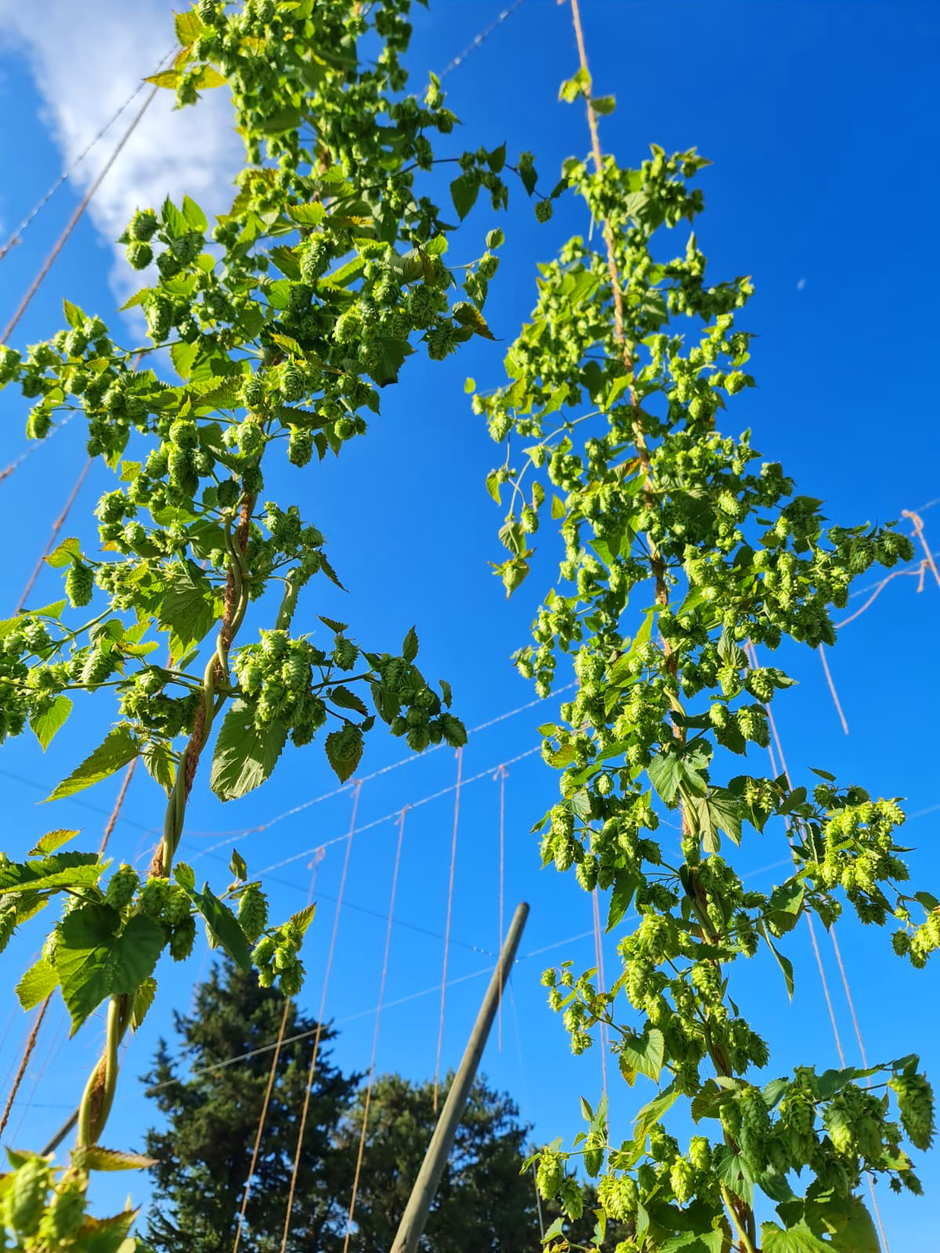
[{"x": 818, "y": 117}]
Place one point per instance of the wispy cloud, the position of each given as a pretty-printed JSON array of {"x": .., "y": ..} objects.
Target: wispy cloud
[{"x": 86, "y": 60}]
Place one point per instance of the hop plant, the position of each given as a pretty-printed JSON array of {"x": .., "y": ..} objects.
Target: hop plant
[{"x": 79, "y": 584}]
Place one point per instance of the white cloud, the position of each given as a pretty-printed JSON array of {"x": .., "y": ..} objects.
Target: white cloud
[
  {"x": 86, "y": 60},
  {"x": 801, "y": 283}
]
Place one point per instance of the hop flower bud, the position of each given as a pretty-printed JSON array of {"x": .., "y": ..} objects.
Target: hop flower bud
[
  {"x": 253, "y": 913},
  {"x": 139, "y": 254},
  {"x": 79, "y": 584},
  {"x": 300, "y": 446},
  {"x": 543, "y": 210},
  {"x": 915, "y": 1101},
  {"x": 314, "y": 259},
  {"x": 153, "y": 897},
  {"x": 183, "y": 939}
]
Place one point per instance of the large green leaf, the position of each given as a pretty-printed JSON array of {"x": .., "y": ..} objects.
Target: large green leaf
[
  {"x": 50, "y": 719},
  {"x": 63, "y": 870},
  {"x": 118, "y": 748},
  {"x": 625, "y": 885},
  {"x": 344, "y": 750},
  {"x": 222, "y": 925},
  {"x": 643, "y": 1055},
  {"x": 244, "y": 756},
  {"x": 187, "y": 607},
  {"x": 96, "y": 958},
  {"x": 797, "y": 1240},
  {"x": 784, "y": 962},
  {"x": 37, "y": 983}
]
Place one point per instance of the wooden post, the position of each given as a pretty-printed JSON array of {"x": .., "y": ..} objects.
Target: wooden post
[{"x": 429, "y": 1177}]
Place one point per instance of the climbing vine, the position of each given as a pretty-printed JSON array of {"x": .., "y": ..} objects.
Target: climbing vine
[
  {"x": 683, "y": 552},
  {"x": 282, "y": 323}
]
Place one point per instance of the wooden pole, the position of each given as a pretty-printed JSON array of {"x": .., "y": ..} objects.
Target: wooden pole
[{"x": 429, "y": 1177}]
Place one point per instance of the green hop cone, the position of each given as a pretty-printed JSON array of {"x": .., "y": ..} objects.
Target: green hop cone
[
  {"x": 122, "y": 886},
  {"x": 454, "y": 731},
  {"x": 139, "y": 254},
  {"x": 314, "y": 259},
  {"x": 183, "y": 939},
  {"x": 64, "y": 1217},
  {"x": 549, "y": 1175},
  {"x": 79, "y": 584},
  {"x": 253, "y": 913},
  {"x": 153, "y": 897},
  {"x": 177, "y": 905},
  {"x": 292, "y": 382},
  {"x": 143, "y": 225},
  {"x": 300, "y": 446},
  {"x": 543, "y": 210},
  {"x": 26, "y": 1196},
  {"x": 915, "y": 1101},
  {"x": 682, "y": 1180},
  {"x": 98, "y": 667}
]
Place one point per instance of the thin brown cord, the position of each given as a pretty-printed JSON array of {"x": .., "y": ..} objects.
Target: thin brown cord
[
  {"x": 502, "y": 774},
  {"x": 918, "y": 525},
  {"x": 74, "y": 220},
  {"x": 832, "y": 690},
  {"x": 752, "y": 653},
  {"x": 116, "y": 811},
  {"x": 879, "y": 588},
  {"x": 319, "y": 1028},
  {"x": 450, "y": 902},
  {"x": 288, "y": 1001},
  {"x": 56, "y": 528},
  {"x": 27, "y": 1054},
  {"x": 34, "y": 1033},
  {"x": 601, "y": 982},
  {"x": 375, "y": 1037}
]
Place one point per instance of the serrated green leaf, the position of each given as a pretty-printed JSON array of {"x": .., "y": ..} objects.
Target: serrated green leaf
[
  {"x": 65, "y": 552},
  {"x": 307, "y": 214},
  {"x": 160, "y": 765},
  {"x": 207, "y": 76},
  {"x": 194, "y": 215},
  {"x": 51, "y": 719},
  {"x": 95, "y": 958},
  {"x": 333, "y": 624},
  {"x": 797, "y": 1240},
  {"x": 222, "y": 925},
  {"x": 469, "y": 315},
  {"x": 37, "y": 983},
  {"x": 345, "y": 699},
  {"x": 625, "y": 884},
  {"x": 51, "y": 841},
  {"x": 165, "y": 78},
  {"x": 783, "y": 962},
  {"x": 184, "y": 356},
  {"x": 344, "y": 751},
  {"x": 118, "y": 748},
  {"x": 61, "y": 870},
  {"x": 189, "y": 26},
  {"x": 244, "y": 755},
  {"x": 643, "y": 1055},
  {"x": 409, "y": 647},
  {"x": 554, "y": 1230},
  {"x": 188, "y": 606},
  {"x": 73, "y": 315},
  {"x": 94, "y": 1157},
  {"x": 237, "y": 866},
  {"x": 604, "y": 104},
  {"x": 463, "y": 192},
  {"x": 142, "y": 1002}
]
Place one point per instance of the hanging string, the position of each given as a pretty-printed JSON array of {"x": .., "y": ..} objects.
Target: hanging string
[
  {"x": 17, "y": 236},
  {"x": 56, "y": 528},
  {"x": 601, "y": 983},
  {"x": 832, "y": 689},
  {"x": 918, "y": 525},
  {"x": 319, "y": 1027},
  {"x": 375, "y": 1037},
  {"x": 478, "y": 39},
  {"x": 74, "y": 220},
  {"x": 501, "y": 775},
  {"x": 240, "y": 832},
  {"x": 525, "y": 1089},
  {"x": 288, "y": 1001},
  {"x": 34, "y": 1033},
  {"x": 752, "y": 656},
  {"x": 27, "y": 1054},
  {"x": 450, "y": 902}
]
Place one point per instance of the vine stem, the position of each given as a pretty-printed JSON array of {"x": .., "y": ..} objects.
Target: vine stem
[
  {"x": 99, "y": 1091},
  {"x": 747, "y": 1244}
]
